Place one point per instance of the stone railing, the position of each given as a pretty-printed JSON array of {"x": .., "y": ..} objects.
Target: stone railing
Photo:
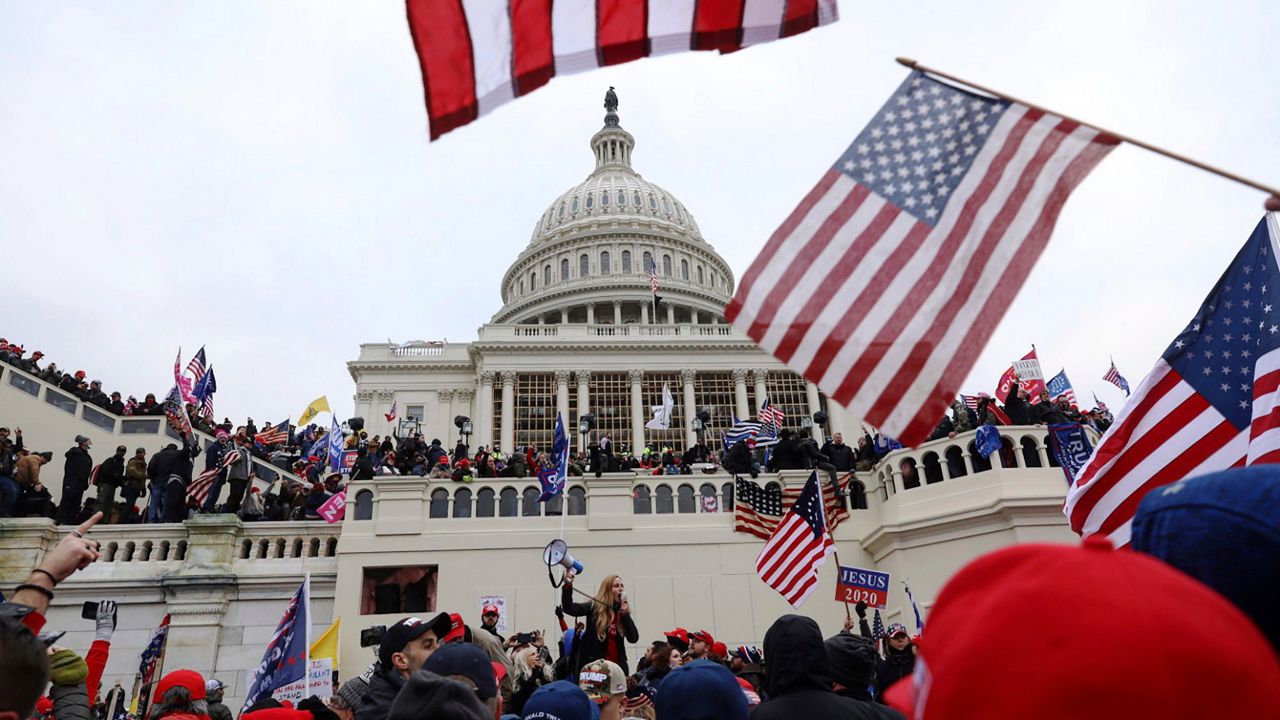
[
  {"x": 1023, "y": 448},
  {"x": 635, "y": 332}
]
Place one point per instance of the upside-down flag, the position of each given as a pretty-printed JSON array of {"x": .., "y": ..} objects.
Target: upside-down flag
[
  {"x": 799, "y": 545},
  {"x": 286, "y": 659},
  {"x": 884, "y": 285},
  {"x": 476, "y": 56},
  {"x": 1212, "y": 401}
]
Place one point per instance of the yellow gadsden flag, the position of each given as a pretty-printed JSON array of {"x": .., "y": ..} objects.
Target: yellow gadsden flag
[
  {"x": 317, "y": 406},
  {"x": 326, "y": 646}
]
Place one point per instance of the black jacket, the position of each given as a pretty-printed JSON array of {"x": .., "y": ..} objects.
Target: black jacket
[
  {"x": 841, "y": 455},
  {"x": 590, "y": 647},
  {"x": 737, "y": 460},
  {"x": 1048, "y": 413},
  {"x": 111, "y": 472},
  {"x": 1016, "y": 408},
  {"x": 798, "y": 678},
  {"x": 362, "y": 469},
  {"x": 383, "y": 688},
  {"x": 893, "y": 668},
  {"x": 75, "y": 473},
  {"x": 789, "y": 454},
  {"x": 162, "y": 465}
]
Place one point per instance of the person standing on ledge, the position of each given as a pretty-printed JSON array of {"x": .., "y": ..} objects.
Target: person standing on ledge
[{"x": 609, "y": 625}]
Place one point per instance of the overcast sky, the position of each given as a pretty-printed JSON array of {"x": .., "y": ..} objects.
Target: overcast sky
[{"x": 256, "y": 176}]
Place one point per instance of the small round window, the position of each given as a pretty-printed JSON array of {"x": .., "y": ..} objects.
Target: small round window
[
  {"x": 575, "y": 205},
  {"x": 590, "y": 200}
]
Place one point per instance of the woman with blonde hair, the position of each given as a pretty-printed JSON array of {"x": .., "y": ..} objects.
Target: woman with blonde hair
[
  {"x": 531, "y": 673},
  {"x": 609, "y": 624}
]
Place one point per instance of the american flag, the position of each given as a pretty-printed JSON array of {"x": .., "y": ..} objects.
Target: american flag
[
  {"x": 273, "y": 435},
  {"x": 653, "y": 278},
  {"x": 391, "y": 416},
  {"x": 1114, "y": 377},
  {"x": 476, "y": 56},
  {"x": 771, "y": 414},
  {"x": 877, "y": 629},
  {"x": 883, "y": 286},
  {"x": 757, "y": 510},
  {"x": 1210, "y": 403},
  {"x": 1059, "y": 386},
  {"x": 753, "y": 432},
  {"x": 206, "y": 386},
  {"x": 199, "y": 488},
  {"x": 197, "y": 367},
  {"x": 970, "y": 401},
  {"x": 799, "y": 545},
  {"x": 150, "y": 659}
]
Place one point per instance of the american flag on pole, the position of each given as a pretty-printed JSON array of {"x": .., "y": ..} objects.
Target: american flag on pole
[
  {"x": 391, "y": 416},
  {"x": 476, "y": 55},
  {"x": 758, "y": 510},
  {"x": 883, "y": 286},
  {"x": 653, "y": 278},
  {"x": 1114, "y": 377},
  {"x": 199, "y": 488},
  {"x": 1212, "y": 401},
  {"x": 206, "y": 386},
  {"x": 771, "y": 414},
  {"x": 799, "y": 545},
  {"x": 273, "y": 435},
  {"x": 1059, "y": 386},
  {"x": 176, "y": 412},
  {"x": 197, "y": 367}
]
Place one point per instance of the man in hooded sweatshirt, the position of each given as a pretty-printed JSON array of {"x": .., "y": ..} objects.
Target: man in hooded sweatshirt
[
  {"x": 853, "y": 660},
  {"x": 798, "y": 677}
]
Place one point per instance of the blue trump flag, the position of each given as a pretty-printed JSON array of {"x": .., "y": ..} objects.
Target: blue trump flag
[
  {"x": 988, "y": 440},
  {"x": 335, "y": 446},
  {"x": 1070, "y": 447},
  {"x": 553, "y": 478},
  {"x": 285, "y": 661}
]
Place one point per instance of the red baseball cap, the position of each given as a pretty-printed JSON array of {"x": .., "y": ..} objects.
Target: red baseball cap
[
  {"x": 189, "y": 679},
  {"x": 487, "y": 609},
  {"x": 458, "y": 631},
  {"x": 678, "y": 638},
  {"x": 719, "y": 650},
  {"x": 703, "y": 636},
  {"x": 1067, "y": 607}
]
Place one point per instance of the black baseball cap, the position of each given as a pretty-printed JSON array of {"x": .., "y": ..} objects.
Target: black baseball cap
[
  {"x": 408, "y": 630},
  {"x": 468, "y": 661}
]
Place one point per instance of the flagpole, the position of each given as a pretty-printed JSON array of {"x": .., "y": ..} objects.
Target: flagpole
[
  {"x": 835, "y": 549},
  {"x": 1272, "y": 203}
]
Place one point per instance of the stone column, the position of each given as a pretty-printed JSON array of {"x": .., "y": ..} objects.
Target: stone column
[
  {"x": 636, "y": 377},
  {"x": 740, "y": 393},
  {"x": 671, "y": 314},
  {"x": 762, "y": 391},
  {"x": 444, "y": 406},
  {"x": 815, "y": 404},
  {"x": 562, "y": 399},
  {"x": 564, "y": 315},
  {"x": 644, "y": 312},
  {"x": 508, "y": 441},
  {"x": 687, "y": 375},
  {"x": 584, "y": 403},
  {"x": 617, "y": 312},
  {"x": 591, "y": 313},
  {"x": 484, "y": 427}
]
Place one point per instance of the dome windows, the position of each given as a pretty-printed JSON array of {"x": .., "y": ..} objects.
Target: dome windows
[
  {"x": 636, "y": 198},
  {"x": 604, "y": 199},
  {"x": 700, "y": 280},
  {"x": 666, "y": 265},
  {"x": 590, "y": 200},
  {"x": 684, "y": 269},
  {"x": 564, "y": 269},
  {"x": 546, "y": 275},
  {"x": 648, "y": 262},
  {"x": 604, "y": 261},
  {"x": 622, "y": 198},
  {"x": 533, "y": 281},
  {"x": 574, "y": 207},
  {"x": 626, "y": 255},
  {"x": 584, "y": 265},
  {"x": 560, "y": 214},
  {"x": 666, "y": 206},
  {"x": 653, "y": 204}
]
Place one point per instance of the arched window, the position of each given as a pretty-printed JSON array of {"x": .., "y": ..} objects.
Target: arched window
[
  {"x": 508, "y": 502},
  {"x": 707, "y": 490},
  {"x": 700, "y": 280},
  {"x": 980, "y": 463},
  {"x": 590, "y": 200},
  {"x": 857, "y": 495},
  {"x": 554, "y": 506},
  {"x": 574, "y": 208},
  {"x": 533, "y": 281},
  {"x": 664, "y": 504},
  {"x": 686, "y": 502},
  {"x": 604, "y": 263},
  {"x": 622, "y": 198},
  {"x": 564, "y": 269},
  {"x": 653, "y": 204},
  {"x": 546, "y": 275},
  {"x": 439, "y": 503},
  {"x": 932, "y": 468},
  {"x": 584, "y": 265},
  {"x": 636, "y": 197},
  {"x": 604, "y": 199},
  {"x": 462, "y": 503},
  {"x": 641, "y": 502},
  {"x": 560, "y": 214},
  {"x": 530, "y": 502},
  {"x": 666, "y": 206},
  {"x": 626, "y": 261},
  {"x": 364, "y": 505},
  {"x": 484, "y": 502},
  {"x": 648, "y": 262},
  {"x": 1030, "y": 453},
  {"x": 577, "y": 501},
  {"x": 726, "y": 497},
  {"x": 684, "y": 269},
  {"x": 666, "y": 265}
]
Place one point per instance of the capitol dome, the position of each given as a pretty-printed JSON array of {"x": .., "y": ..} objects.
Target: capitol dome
[{"x": 591, "y": 251}]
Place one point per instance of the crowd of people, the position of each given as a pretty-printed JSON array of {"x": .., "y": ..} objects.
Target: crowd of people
[{"x": 1013, "y": 634}]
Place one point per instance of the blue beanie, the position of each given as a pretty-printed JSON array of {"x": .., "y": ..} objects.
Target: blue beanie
[
  {"x": 701, "y": 690},
  {"x": 1222, "y": 529}
]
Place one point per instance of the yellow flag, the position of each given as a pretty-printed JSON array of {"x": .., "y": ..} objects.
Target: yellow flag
[
  {"x": 326, "y": 646},
  {"x": 317, "y": 406}
]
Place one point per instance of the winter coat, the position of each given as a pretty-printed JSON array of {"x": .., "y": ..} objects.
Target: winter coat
[
  {"x": 213, "y": 454},
  {"x": 135, "y": 474},
  {"x": 162, "y": 465},
  {"x": 737, "y": 460},
  {"x": 27, "y": 470},
  {"x": 894, "y": 667},
  {"x": 842, "y": 456},
  {"x": 427, "y": 695},
  {"x": 798, "y": 678},
  {"x": 70, "y": 702},
  {"x": 1018, "y": 410},
  {"x": 363, "y": 469},
  {"x": 111, "y": 472},
  {"x": 789, "y": 455},
  {"x": 964, "y": 418},
  {"x": 383, "y": 688},
  {"x": 590, "y": 647},
  {"x": 75, "y": 473},
  {"x": 217, "y": 709},
  {"x": 1048, "y": 414}
]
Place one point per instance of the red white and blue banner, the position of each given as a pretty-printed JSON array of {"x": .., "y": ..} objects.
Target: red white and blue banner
[
  {"x": 855, "y": 585},
  {"x": 285, "y": 662},
  {"x": 1070, "y": 447}
]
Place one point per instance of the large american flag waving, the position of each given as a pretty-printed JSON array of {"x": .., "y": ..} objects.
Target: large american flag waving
[
  {"x": 798, "y": 546},
  {"x": 883, "y": 286},
  {"x": 1211, "y": 402},
  {"x": 478, "y": 54}
]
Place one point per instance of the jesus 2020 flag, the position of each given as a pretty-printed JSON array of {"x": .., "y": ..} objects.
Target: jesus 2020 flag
[{"x": 884, "y": 285}]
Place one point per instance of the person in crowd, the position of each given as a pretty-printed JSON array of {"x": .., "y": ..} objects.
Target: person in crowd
[
  {"x": 253, "y": 507},
  {"x": 704, "y": 690},
  {"x": 71, "y": 381},
  {"x": 179, "y": 695},
  {"x": 853, "y": 661},
  {"x": 659, "y": 665},
  {"x": 213, "y": 456},
  {"x": 150, "y": 406},
  {"x": 95, "y": 395},
  {"x": 213, "y": 690},
  {"x": 363, "y": 468},
  {"x": 238, "y": 473},
  {"x": 135, "y": 482},
  {"x": 1017, "y": 404},
  {"x": 798, "y": 678},
  {"x": 34, "y": 498},
  {"x": 985, "y": 415},
  {"x": 404, "y": 648},
  {"x": 315, "y": 498},
  {"x": 700, "y": 643},
  {"x": 75, "y": 479},
  {"x": 67, "y": 673},
  {"x": 605, "y": 685},
  {"x": 532, "y": 671},
  {"x": 1046, "y": 412},
  {"x": 428, "y": 695},
  {"x": 608, "y": 619},
  {"x": 159, "y": 469},
  {"x": 489, "y": 621},
  {"x": 841, "y": 456},
  {"x": 111, "y": 477},
  {"x": 739, "y": 461},
  {"x": 175, "y": 505},
  {"x": 899, "y": 659},
  {"x": 9, "y": 487},
  {"x": 560, "y": 700},
  {"x": 115, "y": 405},
  {"x": 747, "y": 662}
]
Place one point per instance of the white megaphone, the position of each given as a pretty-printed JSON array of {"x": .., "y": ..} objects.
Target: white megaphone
[{"x": 557, "y": 553}]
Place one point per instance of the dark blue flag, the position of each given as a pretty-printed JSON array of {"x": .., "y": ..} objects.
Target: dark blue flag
[
  {"x": 553, "y": 478},
  {"x": 285, "y": 661},
  {"x": 1070, "y": 447},
  {"x": 988, "y": 440}
]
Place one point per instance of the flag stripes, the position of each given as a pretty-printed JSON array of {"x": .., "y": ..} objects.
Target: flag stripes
[
  {"x": 887, "y": 312},
  {"x": 476, "y": 55},
  {"x": 799, "y": 545},
  {"x": 756, "y": 511}
]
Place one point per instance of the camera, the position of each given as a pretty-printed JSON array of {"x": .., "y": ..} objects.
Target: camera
[
  {"x": 524, "y": 638},
  {"x": 372, "y": 635}
]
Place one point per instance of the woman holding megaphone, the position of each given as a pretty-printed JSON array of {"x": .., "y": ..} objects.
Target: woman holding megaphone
[{"x": 609, "y": 623}]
